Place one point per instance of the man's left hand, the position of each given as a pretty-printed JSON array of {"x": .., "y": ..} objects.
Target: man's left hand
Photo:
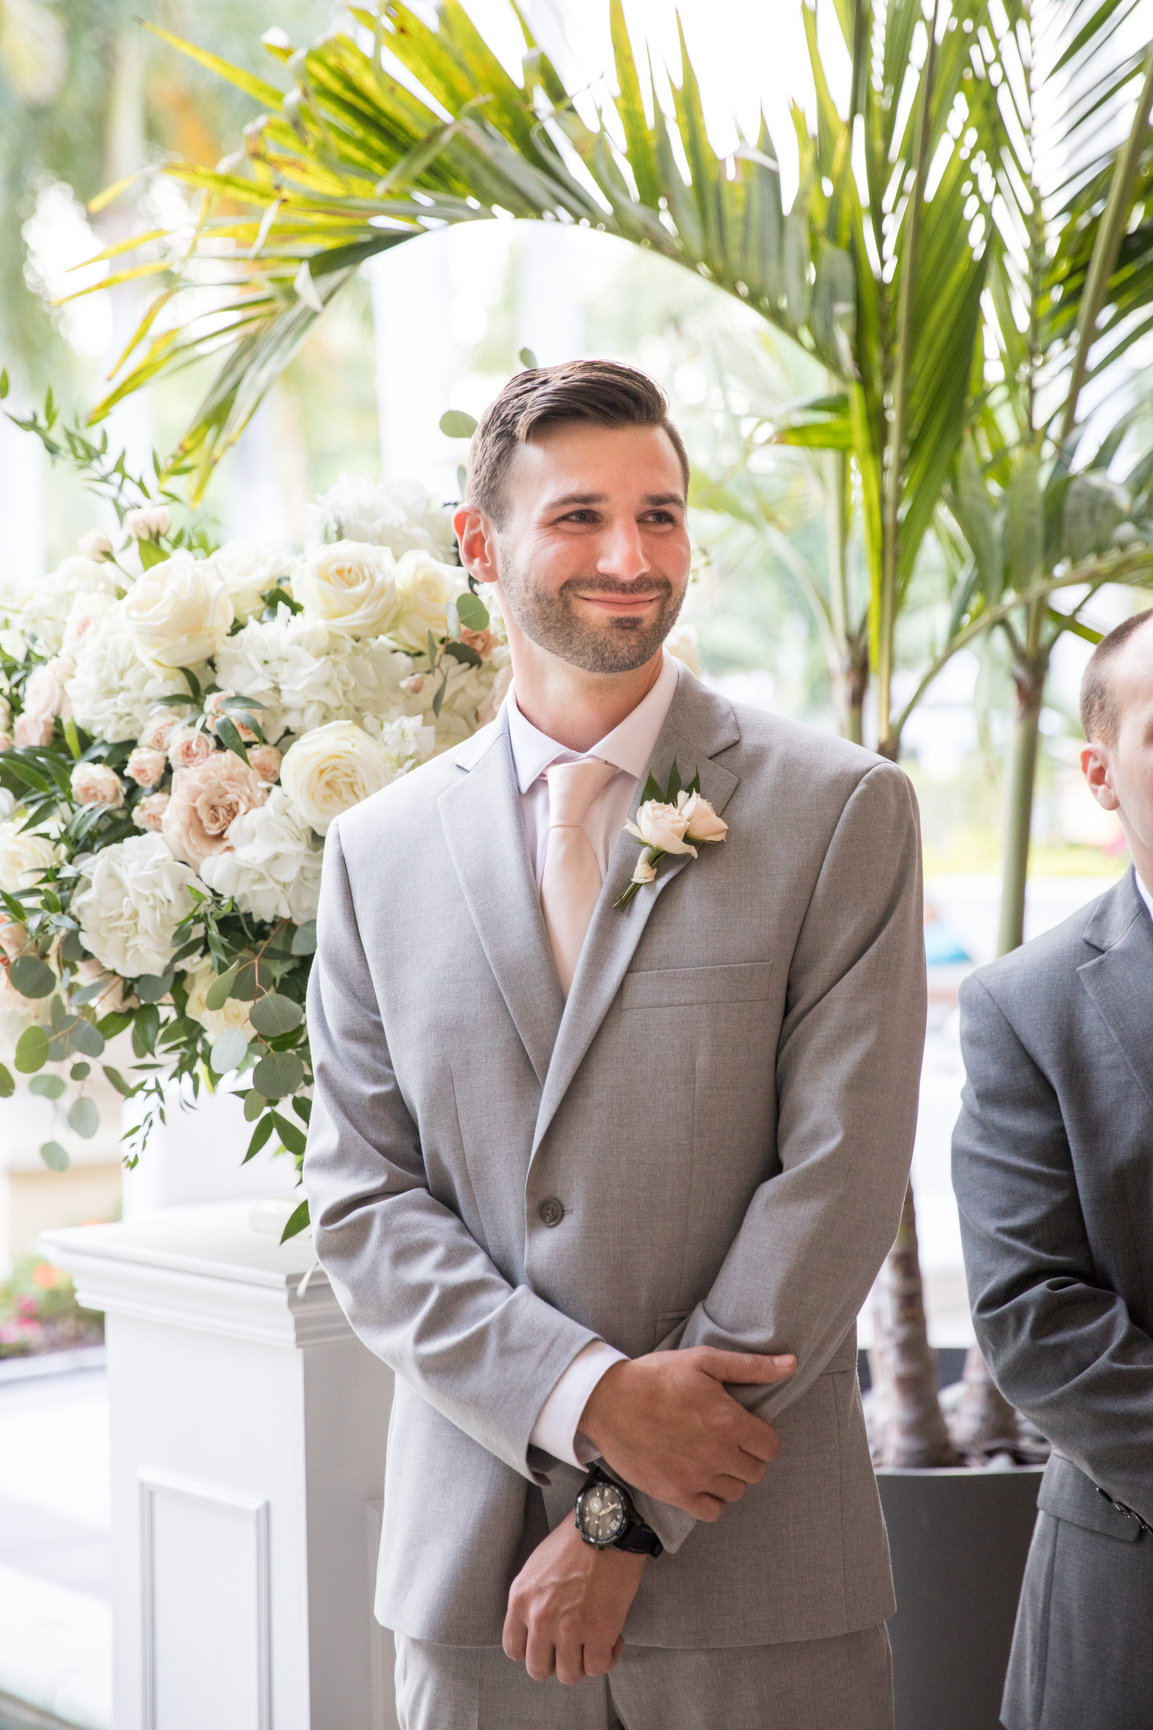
[{"x": 567, "y": 1607}]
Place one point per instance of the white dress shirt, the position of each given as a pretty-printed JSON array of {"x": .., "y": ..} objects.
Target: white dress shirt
[
  {"x": 1145, "y": 894},
  {"x": 629, "y": 747}
]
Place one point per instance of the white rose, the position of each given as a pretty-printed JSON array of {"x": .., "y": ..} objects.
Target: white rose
[
  {"x": 134, "y": 895},
  {"x": 234, "y": 1015},
  {"x": 332, "y": 768},
  {"x": 399, "y": 515},
  {"x": 701, "y": 821},
  {"x": 179, "y": 611},
  {"x": 661, "y": 827},
  {"x": 148, "y": 523},
  {"x": 272, "y": 870},
  {"x": 424, "y": 587},
  {"x": 248, "y": 570},
  {"x": 113, "y": 693},
  {"x": 349, "y": 586},
  {"x": 23, "y": 856}
]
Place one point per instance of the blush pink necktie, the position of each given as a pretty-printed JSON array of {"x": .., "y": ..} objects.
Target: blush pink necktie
[{"x": 571, "y": 880}]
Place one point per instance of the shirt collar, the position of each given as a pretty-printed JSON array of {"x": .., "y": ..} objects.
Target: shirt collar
[
  {"x": 1144, "y": 893},
  {"x": 629, "y": 746}
]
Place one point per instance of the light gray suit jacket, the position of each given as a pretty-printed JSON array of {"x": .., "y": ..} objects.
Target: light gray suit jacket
[
  {"x": 724, "y": 1108},
  {"x": 1053, "y": 1168}
]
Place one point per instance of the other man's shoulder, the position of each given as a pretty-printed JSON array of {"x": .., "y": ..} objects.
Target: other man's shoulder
[{"x": 1029, "y": 976}]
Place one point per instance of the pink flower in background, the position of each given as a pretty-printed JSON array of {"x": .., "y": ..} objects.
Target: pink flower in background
[
  {"x": 146, "y": 767},
  {"x": 214, "y": 709},
  {"x": 149, "y": 814},
  {"x": 266, "y": 760},
  {"x": 204, "y": 801},
  {"x": 158, "y": 732},
  {"x": 94, "y": 545},
  {"x": 34, "y": 729},
  {"x": 188, "y": 746},
  {"x": 96, "y": 784},
  {"x": 484, "y": 642}
]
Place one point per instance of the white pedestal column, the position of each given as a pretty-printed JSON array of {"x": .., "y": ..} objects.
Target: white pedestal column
[{"x": 248, "y": 1439}]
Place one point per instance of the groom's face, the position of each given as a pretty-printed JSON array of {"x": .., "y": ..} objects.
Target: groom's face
[{"x": 592, "y": 550}]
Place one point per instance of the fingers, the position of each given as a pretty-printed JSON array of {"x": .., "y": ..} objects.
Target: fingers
[
  {"x": 514, "y": 1638},
  {"x": 746, "y": 1367},
  {"x": 540, "y": 1657},
  {"x": 599, "y": 1657},
  {"x": 569, "y": 1662},
  {"x": 703, "y": 1507}
]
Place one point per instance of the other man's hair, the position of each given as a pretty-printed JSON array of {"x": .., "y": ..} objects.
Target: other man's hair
[
  {"x": 597, "y": 392},
  {"x": 1099, "y": 717}
]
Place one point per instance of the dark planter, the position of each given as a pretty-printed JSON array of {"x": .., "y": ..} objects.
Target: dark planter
[{"x": 959, "y": 1539}]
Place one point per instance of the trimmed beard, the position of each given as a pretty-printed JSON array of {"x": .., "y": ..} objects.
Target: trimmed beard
[{"x": 551, "y": 621}]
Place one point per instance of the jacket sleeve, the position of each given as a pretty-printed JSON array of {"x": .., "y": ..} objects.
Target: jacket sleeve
[
  {"x": 414, "y": 1284},
  {"x": 1061, "y": 1346},
  {"x": 848, "y": 1072}
]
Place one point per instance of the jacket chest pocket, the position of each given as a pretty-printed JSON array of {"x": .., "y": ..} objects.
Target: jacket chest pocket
[{"x": 675, "y": 987}]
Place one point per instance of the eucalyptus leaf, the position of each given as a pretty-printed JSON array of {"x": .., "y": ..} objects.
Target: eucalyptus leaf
[
  {"x": 472, "y": 612},
  {"x": 260, "y": 1135},
  {"x": 275, "y": 1015},
  {"x": 278, "y": 1073},
  {"x": 54, "y": 1156},
  {"x": 229, "y": 1051},
  {"x": 80, "y": 1071},
  {"x": 253, "y": 978},
  {"x": 298, "y": 1221},
  {"x": 32, "y": 977},
  {"x": 47, "y": 1086},
  {"x": 254, "y": 1104},
  {"x": 527, "y": 358},
  {"x": 84, "y": 1117},
  {"x": 31, "y": 1050},
  {"x": 304, "y": 938},
  {"x": 220, "y": 990},
  {"x": 455, "y": 424},
  {"x": 7, "y": 1082},
  {"x": 86, "y": 1039},
  {"x": 151, "y": 987}
]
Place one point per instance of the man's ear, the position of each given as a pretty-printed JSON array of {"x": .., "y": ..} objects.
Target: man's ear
[
  {"x": 1098, "y": 772},
  {"x": 476, "y": 536}
]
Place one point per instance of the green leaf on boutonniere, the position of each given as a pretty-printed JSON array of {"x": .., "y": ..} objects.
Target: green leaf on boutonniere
[
  {"x": 674, "y": 784},
  {"x": 653, "y": 790}
]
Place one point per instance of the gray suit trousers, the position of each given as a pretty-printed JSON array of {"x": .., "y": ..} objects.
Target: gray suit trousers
[{"x": 842, "y": 1683}]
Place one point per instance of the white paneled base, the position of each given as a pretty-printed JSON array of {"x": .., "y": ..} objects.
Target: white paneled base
[
  {"x": 382, "y": 1646},
  {"x": 206, "y": 1648}
]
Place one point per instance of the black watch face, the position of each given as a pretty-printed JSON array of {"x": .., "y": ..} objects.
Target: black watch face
[{"x": 603, "y": 1516}]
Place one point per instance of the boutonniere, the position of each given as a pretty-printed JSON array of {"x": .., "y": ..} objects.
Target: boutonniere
[{"x": 674, "y": 819}]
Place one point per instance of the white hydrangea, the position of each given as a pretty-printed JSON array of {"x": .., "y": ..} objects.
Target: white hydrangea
[
  {"x": 272, "y": 869},
  {"x": 114, "y": 692},
  {"x": 41, "y": 608},
  {"x": 307, "y": 676},
  {"x": 399, "y": 515},
  {"x": 133, "y": 896},
  {"x": 24, "y": 854},
  {"x": 406, "y": 741}
]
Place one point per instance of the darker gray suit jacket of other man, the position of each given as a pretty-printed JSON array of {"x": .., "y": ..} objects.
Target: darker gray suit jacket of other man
[
  {"x": 1053, "y": 1168},
  {"x": 706, "y": 1144}
]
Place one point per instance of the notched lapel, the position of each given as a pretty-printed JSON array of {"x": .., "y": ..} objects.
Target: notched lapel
[
  {"x": 486, "y": 841},
  {"x": 1120, "y": 979},
  {"x": 698, "y": 726}
]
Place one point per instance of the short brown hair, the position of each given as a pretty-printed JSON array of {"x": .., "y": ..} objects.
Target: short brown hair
[
  {"x": 1099, "y": 717},
  {"x": 601, "y": 392}
]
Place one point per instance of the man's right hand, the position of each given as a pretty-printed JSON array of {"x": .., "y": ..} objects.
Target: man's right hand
[{"x": 665, "y": 1424}]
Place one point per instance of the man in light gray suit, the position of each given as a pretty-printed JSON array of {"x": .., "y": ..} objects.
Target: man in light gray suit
[
  {"x": 606, "y": 1179},
  {"x": 1053, "y": 1168}
]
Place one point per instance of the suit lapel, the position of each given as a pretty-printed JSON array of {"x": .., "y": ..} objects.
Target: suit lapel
[
  {"x": 698, "y": 726},
  {"x": 1120, "y": 978},
  {"x": 486, "y": 841}
]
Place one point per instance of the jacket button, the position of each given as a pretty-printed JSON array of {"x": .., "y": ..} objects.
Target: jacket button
[{"x": 551, "y": 1211}]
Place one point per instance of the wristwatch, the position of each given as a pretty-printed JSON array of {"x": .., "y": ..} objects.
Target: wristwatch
[{"x": 605, "y": 1516}]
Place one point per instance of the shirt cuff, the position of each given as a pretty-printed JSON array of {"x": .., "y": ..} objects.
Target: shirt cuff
[{"x": 556, "y": 1428}]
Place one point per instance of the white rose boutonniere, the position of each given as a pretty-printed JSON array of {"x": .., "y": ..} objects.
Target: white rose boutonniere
[{"x": 670, "y": 820}]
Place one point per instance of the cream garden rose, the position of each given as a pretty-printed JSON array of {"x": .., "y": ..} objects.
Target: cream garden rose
[
  {"x": 332, "y": 768},
  {"x": 133, "y": 897},
  {"x": 96, "y": 784},
  {"x": 425, "y": 587},
  {"x": 24, "y": 855},
  {"x": 232, "y": 1017},
  {"x": 661, "y": 827},
  {"x": 350, "y": 587},
  {"x": 179, "y": 612},
  {"x": 249, "y": 569}
]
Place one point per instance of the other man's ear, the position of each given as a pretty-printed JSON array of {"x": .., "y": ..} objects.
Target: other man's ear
[
  {"x": 477, "y": 539},
  {"x": 1097, "y": 770}
]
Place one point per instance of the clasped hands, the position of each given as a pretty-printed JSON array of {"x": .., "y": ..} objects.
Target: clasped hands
[{"x": 666, "y": 1424}]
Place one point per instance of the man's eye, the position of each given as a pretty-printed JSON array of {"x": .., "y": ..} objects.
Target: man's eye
[
  {"x": 579, "y": 517},
  {"x": 661, "y": 517}
]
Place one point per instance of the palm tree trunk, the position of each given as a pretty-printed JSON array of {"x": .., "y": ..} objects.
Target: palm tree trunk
[
  {"x": 1030, "y": 683},
  {"x": 910, "y": 1430}
]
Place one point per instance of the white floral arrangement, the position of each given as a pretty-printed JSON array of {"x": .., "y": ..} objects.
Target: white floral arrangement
[{"x": 179, "y": 725}]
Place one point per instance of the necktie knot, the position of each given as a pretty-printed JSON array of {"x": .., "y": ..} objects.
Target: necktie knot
[{"x": 572, "y": 787}]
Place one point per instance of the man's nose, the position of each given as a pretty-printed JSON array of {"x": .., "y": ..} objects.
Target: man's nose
[{"x": 622, "y": 552}]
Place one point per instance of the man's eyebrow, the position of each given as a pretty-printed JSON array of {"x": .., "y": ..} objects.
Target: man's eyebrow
[{"x": 650, "y": 499}]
